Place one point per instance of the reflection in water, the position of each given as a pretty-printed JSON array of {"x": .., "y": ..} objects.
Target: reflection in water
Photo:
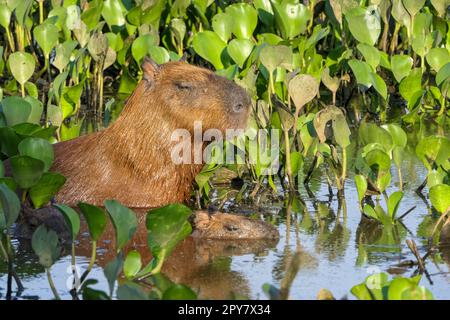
[{"x": 331, "y": 245}]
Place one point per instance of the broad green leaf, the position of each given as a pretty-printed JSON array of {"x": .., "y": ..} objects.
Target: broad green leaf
[
  {"x": 443, "y": 74},
  {"x": 9, "y": 207},
  {"x": 5, "y": 16},
  {"x": 22, "y": 66},
  {"x": 141, "y": 45},
  {"x": 72, "y": 219},
  {"x": 437, "y": 58},
  {"x": 95, "y": 218},
  {"x": 371, "y": 54},
  {"x": 45, "y": 245},
  {"x": 131, "y": 291},
  {"x": 413, "y": 6},
  {"x": 222, "y": 24},
  {"x": 364, "y": 24},
  {"x": 37, "y": 148},
  {"x": 433, "y": 150},
  {"x": 36, "y": 109},
  {"x": 393, "y": 203},
  {"x": 9, "y": 141},
  {"x": 26, "y": 171},
  {"x": 132, "y": 264},
  {"x": 167, "y": 226},
  {"x": 398, "y": 135},
  {"x": 291, "y": 17},
  {"x": 46, "y": 36},
  {"x": 274, "y": 56},
  {"x": 361, "y": 186},
  {"x": 245, "y": 18},
  {"x": 124, "y": 221},
  {"x": 46, "y": 188},
  {"x": 112, "y": 271},
  {"x": 16, "y": 110},
  {"x": 362, "y": 72},
  {"x": 239, "y": 50},
  {"x": 440, "y": 197},
  {"x": 112, "y": 13},
  {"x": 209, "y": 46},
  {"x": 179, "y": 292}
]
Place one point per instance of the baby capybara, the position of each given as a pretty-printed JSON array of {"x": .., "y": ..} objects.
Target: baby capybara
[{"x": 130, "y": 161}]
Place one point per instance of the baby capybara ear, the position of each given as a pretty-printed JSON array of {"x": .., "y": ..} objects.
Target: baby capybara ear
[{"x": 150, "y": 68}]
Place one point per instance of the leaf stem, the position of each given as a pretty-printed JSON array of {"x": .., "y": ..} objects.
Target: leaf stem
[{"x": 52, "y": 284}]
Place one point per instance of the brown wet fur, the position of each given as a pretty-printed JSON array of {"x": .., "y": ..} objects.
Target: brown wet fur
[
  {"x": 229, "y": 226},
  {"x": 130, "y": 161}
]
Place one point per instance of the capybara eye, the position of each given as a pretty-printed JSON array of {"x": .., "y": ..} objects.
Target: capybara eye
[
  {"x": 230, "y": 227},
  {"x": 183, "y": 85}
]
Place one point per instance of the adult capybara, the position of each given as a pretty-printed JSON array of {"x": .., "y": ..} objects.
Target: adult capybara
[{"x": 131, "y": 160}]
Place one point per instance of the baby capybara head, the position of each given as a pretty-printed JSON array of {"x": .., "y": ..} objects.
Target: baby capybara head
[{"x": 186, "y": 94}]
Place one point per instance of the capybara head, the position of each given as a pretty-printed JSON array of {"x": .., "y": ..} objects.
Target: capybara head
[
  {"x": 188, "y": 94},
  {"x": 229, "y": 226}
]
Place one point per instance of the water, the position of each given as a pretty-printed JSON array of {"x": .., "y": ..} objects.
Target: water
[{"x": 336, "y": 251}]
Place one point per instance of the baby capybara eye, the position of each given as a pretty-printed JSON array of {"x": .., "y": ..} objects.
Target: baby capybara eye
[{"x": 184, "y": 86}]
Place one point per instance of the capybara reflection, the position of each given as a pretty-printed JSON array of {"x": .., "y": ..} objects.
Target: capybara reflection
[{"x": 131, "y": 161}]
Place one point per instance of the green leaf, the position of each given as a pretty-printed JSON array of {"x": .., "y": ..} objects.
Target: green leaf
[
  {"x": 45, "y": 245},
  {"x": 22, "y": 66},
  {"x": 411, "y": 84},
  {"x": 9, "y": 141},
  {"x": 133, "y": 264},
  {"x": 179, "y": 292},
  {"x": 167, "y": 226},
  {"x": 437, "y": 58},
  {"x": 364, "y": 24},
  {"x": 112, "y": 271},
  {"x": 36, "y": 109},
  {"x": 274, "y": 56},
  {"x": 393, "y": 203},
  {"x": 16, "y": 110},
  {"x": 440, "y": 197},
  {"x": 433, "y": 150},
  {"x": 209, "y": 46},
  {"x": 247, "y": 16},
  {"x": 112, "y": 13},
  {"x": 124, "y": 221},
  {"x": 72, "y": 219},
  {"x": 443, "y": 74},
  {"x": 222, "y": 24},
  {"x": 26, "y": 171},
  {"x": 370, "y": 212},
  {"x": 399, "y": 137},
  {"x": 131, "y": 291},
  {"x": 95, "y": 218},
  {"x": 361, "y": 186},
  {"x": 291, "y": 17},
  {"x": 413, "y": 6},
  {"x": 10, "y": 207},
  {"x": 362, "y": 72},
  {"x": 46, "y": 188},
  {"x": 46, "y": 36},
  {"x": 140, "y": 46},
  {"x": 5, "y": 16},
  {"x": 371, "y": 54},
  {"x": 239, "y": 50},
  {"x": 37, "y": 148}
]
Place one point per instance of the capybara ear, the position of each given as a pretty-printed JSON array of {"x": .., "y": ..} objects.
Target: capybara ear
[{"x": 150, "y": 68}]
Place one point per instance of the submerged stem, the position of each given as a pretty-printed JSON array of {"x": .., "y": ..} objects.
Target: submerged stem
[{"x": 52, "y": 284}]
